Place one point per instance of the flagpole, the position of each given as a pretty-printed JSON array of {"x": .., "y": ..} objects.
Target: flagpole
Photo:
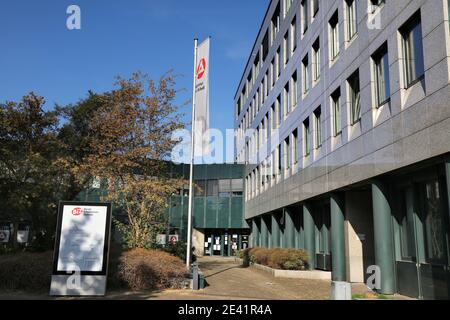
[{"x": 191, "y": 170}]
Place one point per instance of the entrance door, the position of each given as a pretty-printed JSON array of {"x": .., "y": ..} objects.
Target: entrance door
[{"x": 422, "y": 241}]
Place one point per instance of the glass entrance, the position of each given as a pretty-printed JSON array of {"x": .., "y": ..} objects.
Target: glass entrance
[{"x": 422, "y": 240}]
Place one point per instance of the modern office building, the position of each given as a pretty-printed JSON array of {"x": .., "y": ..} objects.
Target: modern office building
[
  {"x": 342, "y": 118},
  {"x": 218, "y": 225}
]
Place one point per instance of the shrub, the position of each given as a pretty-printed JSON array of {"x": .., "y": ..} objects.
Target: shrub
[
  {"x": 141, "y": 269},
  {"x": 26, "y": 271},
  {"x": 278, "y": 258}
]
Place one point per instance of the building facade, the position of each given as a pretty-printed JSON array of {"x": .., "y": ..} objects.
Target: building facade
[
  {"x": 342, "y": 118},
  {"x": 219, "y": 227}
]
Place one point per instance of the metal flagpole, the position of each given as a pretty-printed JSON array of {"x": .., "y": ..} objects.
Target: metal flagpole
[{"x": 191, "y": 170}]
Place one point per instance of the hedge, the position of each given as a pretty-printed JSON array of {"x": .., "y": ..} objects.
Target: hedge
[
  {"x": 276, "y": 258},
  {"x": 137, "y": 269}
]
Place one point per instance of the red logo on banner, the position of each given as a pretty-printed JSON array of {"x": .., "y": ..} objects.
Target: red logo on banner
[
  {"x": 77, "y": 211},
  {"x": 173, "y": 239},
  {"x": 201, "y": 69}
]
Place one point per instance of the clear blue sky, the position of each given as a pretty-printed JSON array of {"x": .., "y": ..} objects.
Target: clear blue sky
[{"x": 38, "y": 53}]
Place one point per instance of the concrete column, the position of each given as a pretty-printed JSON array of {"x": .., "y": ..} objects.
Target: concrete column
[
  {"x": 264, "y": 233},
  {"x": 309, "y": 229},
  {"x": 337, "y": 238},
  {"x": 255, "y": 234},
  {"x": 289, "y": 229},
  {"x": 384, "y": 245},
  {"x": 222, "y": 244},
  {"x": 275, "y": 231},
  {"x": 213, "y": 241}
]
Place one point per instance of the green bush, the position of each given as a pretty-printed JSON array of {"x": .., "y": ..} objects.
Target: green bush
[{"x": 277, "y": 258}]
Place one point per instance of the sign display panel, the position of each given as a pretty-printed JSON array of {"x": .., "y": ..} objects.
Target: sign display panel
[{"x": 82, "y": 238}]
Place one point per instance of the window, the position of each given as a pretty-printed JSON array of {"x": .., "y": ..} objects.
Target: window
[
  {"x": 316, "y": 59},
  {"x": 305, "y": 16},
  {"x": 293, "y": 35},
  {"x": 212, "y": 188},
  {"x": 274, "y": 74},
  {"x": 274, "y": 116},
  {"x": 287, "y": 6},
  {"x": 294, "y": 91},
  {"x": 286, "y": 100},
  {"x": 265, "y": 46},
  {"x": 336, "y": 109},
  {"x": 295, "y": 145},
  {"x": 305, "y": 80},
  {"x": 278, "y": 63},
  {"x": 351, "y": 19},
  {"x": 318, "y": 128},
  {"x": 334, "y": 36},
  {"x": 275, "y": 24},
  {"x": 279, "y": 160},
  {"x": 287, "y": 154},
  {"x": 375, "y": 4},
  {"x": 315, "y": 7},
  {"x": 224, "y": 188},
  {"x": 355, "y": 102},
  {"x": 278, "y": 109},
  {"x": 200, "y": 189},
  {"x": 381, "y": 72},
  {"x": 286, "y": 48},
  {"x": 306, "y": 137},
  {"x": 411, "y": 34}
]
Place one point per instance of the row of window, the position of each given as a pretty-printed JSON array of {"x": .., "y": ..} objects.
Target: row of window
[
  {"x": 216, "y": 188},
  {"x": 289, "y": 45},
  {"x": 413, "y": 69}
]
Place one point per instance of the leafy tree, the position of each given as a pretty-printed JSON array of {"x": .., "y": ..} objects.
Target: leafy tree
[
  {"x": 131, "y": 135},
  {"x": 31, "y": 179}
]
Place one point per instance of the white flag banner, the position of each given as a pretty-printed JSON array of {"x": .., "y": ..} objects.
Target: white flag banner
[{"x": 202, "y": 99}]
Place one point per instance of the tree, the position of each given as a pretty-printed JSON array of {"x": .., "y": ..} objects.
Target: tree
[
  {"x": 131, "y": 138},
  {"x": 31, "y": 179}
]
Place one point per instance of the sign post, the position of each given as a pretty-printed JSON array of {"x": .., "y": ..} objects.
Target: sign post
[{"x": 80, "y": 261}]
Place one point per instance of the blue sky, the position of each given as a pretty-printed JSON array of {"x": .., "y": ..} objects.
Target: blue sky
[{"x": 38, "y": 53}]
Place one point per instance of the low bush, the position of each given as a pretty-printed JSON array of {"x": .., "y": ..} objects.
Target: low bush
[
  {"x": 26, "y": 271},
  {"x": 136, "y": 269},
  {"x": 277, "y": 258},
  {"x": 142, "y": 269}
]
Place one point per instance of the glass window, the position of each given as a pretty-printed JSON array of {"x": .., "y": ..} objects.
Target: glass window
[
  {"x": 294, "y": 35},
  {"x": 295, "y": 145},
  {"x": 413, "y": 50},
  {"x": 334, "y": 36},
  {"x": 336, "y": 105},
  {"x": 316, "y": 59},
  {"x": 434, "y": 236},
  {"x": 375, "y": 4},
  {"x": 382, "y": 83},
  {"x": 286, "y": 98},
  {"x": 305, "y": 15},
  {"x": 306, "y": 137},
  {"x": 201, "y": 187},
  {"x": 212, "y": 188},
  {"x": 355, "y": 102},
  {"x": 286, "y": 48},
  {"x": 287, "y": 153},
  {"x": 315, "y": 7},
  {"x": 305, "y": 68},
  {"x": 318, "y": 128},
  {"x": 351, "y": 19},
  {"x": 294, "y": 90},
  {"x": 406, "y": 224}
]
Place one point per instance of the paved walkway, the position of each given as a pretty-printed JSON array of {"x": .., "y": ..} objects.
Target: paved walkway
[{"x": 227, "y": 280}]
